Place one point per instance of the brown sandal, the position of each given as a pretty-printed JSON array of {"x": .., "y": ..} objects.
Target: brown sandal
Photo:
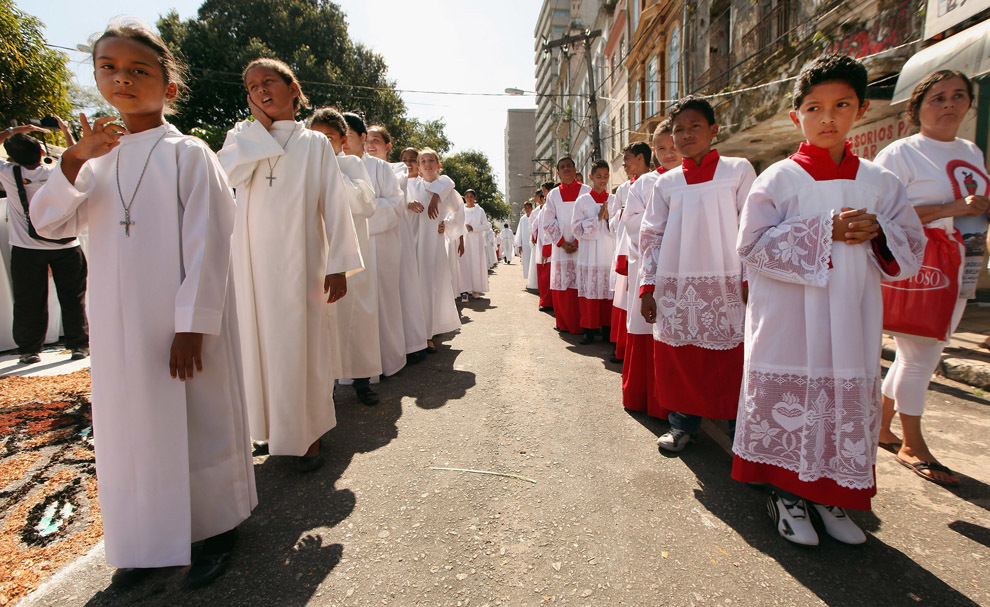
[{"x": 919, "y": 468}]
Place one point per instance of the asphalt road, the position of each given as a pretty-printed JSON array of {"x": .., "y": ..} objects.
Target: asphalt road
[{"x": 609, "y": 520}]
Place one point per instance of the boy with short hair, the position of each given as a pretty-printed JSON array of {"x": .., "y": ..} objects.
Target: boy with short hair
[
  {"x": 809, "y": 414},
  {"x": 560, "y": 245},
  {"x": 687, "y": 251},
  {"x": 596, "y": 248},
  {"x": 31, "y": 255}
]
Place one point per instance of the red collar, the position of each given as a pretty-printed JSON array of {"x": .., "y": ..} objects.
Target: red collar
[
  {"x": 661, "y": 170},
  {"x": 632, "y": 180},
  {"x": 695, "y": 174},
  {"x": 819, "y": 164},
  {"x": 599, "y": 198},
  {"x": 569, "y": 193}
]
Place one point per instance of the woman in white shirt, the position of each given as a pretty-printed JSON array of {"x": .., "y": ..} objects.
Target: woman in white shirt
[{"x": 946, "y": 181}]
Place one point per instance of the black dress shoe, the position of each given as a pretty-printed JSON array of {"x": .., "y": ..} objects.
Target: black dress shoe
[
  {"x": 614, "y": 359},
  {"x": 259, "y": 448},
  {"x": 29, "y": 359},
  {"x": 125, "y": 577},
  {"x": 588, "y": 338},
  {"x": 79, "y": 353},
  {"x": 311, "y": 463},
  {"x": 364, "y": 392},
  {"x": 212, "y": 560}
]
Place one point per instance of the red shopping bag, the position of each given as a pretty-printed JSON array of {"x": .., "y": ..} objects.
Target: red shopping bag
[{"x": 923, "y": 304}]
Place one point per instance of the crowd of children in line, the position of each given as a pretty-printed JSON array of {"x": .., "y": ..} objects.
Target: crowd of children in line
[
  {"x": 217, "y": 270},
  {"x": 757, "y": 299},
  {"x": 705, "y": 274}
]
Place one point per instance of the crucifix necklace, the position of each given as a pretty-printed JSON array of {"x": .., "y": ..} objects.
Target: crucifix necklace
[
  {"x": 127, "y": 223},
  {"x": 271, "y": 167}
]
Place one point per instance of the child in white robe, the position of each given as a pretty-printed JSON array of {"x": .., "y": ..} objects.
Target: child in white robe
[
  {"x": 818, "y": 233},
  {"x": 596, "y": 249},
  {"x": 357, "y": 315},
  {"x": 560, "y": 245},
  {"x": 473, "y": 264},
  {"x": 687, "y": 251},
  {"x": 173, "y": 457},
  {"x": 294, "y": 245},
  {"x": 507, "y": 248}
]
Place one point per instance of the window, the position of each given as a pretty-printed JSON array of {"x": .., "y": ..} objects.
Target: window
[
  {"x": 558, "y": 30},
  {"x": 634, "y": 15},
  {"x": 611, "y": 140},
  {"x": 562, "y": 12},
  {"x": 674, "y": 64},
  {"x": 651, "y": 87}
]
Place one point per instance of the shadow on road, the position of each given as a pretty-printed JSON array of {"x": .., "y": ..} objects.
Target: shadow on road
[{"x": 840, "y": 575}]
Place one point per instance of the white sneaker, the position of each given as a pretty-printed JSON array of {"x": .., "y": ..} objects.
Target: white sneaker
[
  {"x": 675, "y": 440},
  {"x": 792, "y": 520},
  {"x": 838, "y": 525}
]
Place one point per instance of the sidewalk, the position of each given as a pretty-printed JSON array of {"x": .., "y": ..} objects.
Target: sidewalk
[{"x": 964, "y": 360}]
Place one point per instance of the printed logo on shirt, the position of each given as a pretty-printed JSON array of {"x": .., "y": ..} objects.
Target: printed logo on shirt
[{"x": 967, "y": 180}]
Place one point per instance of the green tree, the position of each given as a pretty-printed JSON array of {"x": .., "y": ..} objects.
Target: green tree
[
  {"x": 420, "y": 134},
  {"x": 310, "y": 35},
  {"x": 471, "y": 170},
  {"x": 34, "y": 81}
]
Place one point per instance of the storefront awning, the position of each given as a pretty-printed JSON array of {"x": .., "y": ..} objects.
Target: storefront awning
[{"x": 968, "y": 51}]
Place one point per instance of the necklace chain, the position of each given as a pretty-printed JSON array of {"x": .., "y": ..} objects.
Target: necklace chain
[
  {"x": 271, "y": 167},
  {"x": 127, "y": 223}
]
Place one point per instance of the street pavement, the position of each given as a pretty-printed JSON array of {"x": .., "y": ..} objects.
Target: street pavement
[{"x": 608, "y": 521}]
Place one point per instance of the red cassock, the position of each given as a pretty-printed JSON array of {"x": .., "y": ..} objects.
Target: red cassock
[{"x": 556, "y": 223}]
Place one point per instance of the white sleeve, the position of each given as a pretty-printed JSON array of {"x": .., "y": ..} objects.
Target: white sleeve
[
  {"x": 207, "y": 225},
  {"x": 60, "y": 209},
  {"x": 248, "y": 143},
  {"x": 344, "y": 257}
]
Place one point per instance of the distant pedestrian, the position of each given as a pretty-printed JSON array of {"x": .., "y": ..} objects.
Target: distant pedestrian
[{"x": 507, "y": 245}]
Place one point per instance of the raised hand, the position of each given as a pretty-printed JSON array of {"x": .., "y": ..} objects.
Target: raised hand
[
  {"x": 259, "y": 114},
  {"x": 97, "y": 140}
]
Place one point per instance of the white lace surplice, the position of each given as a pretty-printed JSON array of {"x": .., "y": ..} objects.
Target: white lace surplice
[
  {"x": 687, "y": 249},
  {"x": 555, "y": 223},
  {"x": 596, "y": 249},
  {"x": 811, "y": 400}
]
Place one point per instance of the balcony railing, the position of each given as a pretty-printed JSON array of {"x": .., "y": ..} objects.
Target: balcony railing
[{"x": 770, "y": 32}]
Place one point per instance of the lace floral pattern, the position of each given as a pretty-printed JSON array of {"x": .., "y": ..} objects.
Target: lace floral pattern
[
  {"x": 563, "y": 274},
  {"x": 797, "y": 250},
  {"x": 817, "y": 427},
  {"x": 907, "y": 247},
  {"x": 594, "y": 282},
  {"x": 703, "y": 311}
]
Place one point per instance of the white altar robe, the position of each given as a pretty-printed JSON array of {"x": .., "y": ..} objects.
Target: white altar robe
[
  {"x": 555, "y": 223},
  {"x": 386, "y": 228},
  {"x": 287, "y": 237},
  {"x": 596, "y": 247},
  {"x": 173, "y": 458},
  {"x": 431, "y": 255},
  {"x": 536, "y": 253},
  {"x": 620, "y": 282},
  {"x": 508, "y": 244},
  {"x": 523, "y": 243},
  {"x": 357, "y": 312},
  {"x": 639, "y": 196},
  {"x": 473, "y": 264},
  {"x": 453, "y": 230},
  {"x": 811, "y": 397}
]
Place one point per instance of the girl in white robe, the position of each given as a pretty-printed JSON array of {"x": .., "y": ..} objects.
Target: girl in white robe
[
  {"x": 473, "y": 264},
  {"x": 173, "y": 457},
  {"x": 431, "y": 247},
  {"x": 294, "y": 245}
]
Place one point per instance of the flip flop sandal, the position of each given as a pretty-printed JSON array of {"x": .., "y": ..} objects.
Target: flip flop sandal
[
  {"x": 894, "y": 448},
  {"x": 919, "y": 468}
]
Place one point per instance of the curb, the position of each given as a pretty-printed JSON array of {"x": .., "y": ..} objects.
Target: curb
[{"x": 961, "y": 370}]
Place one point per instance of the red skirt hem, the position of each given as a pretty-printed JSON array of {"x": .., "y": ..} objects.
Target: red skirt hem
[
  {"x": 543, "y": 284},
  {"x": 619, "y": 331},
  {"x": 699, "y": 381},
  {"x": 566, "y": 312},
  {"x": 594, "y": 313},
  {"x": 823, "y": 491},
  {"x": 639, "y": 391}
]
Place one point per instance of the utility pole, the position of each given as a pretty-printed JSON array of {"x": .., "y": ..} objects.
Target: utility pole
[{"x": 585, "y": 39}]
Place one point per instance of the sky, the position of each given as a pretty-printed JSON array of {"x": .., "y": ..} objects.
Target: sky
[{"x": 429, "y": 45}]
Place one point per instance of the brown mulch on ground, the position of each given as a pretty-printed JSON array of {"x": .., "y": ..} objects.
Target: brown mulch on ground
[{"x": 49, "y": 513}]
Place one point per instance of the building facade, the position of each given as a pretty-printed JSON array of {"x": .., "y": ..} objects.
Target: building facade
[{"x": 522, "y": 173}]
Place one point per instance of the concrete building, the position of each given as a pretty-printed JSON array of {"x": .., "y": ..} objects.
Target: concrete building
[
  {"x": 522, "y": 173},
  {"x": 553, "y": 22}
]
